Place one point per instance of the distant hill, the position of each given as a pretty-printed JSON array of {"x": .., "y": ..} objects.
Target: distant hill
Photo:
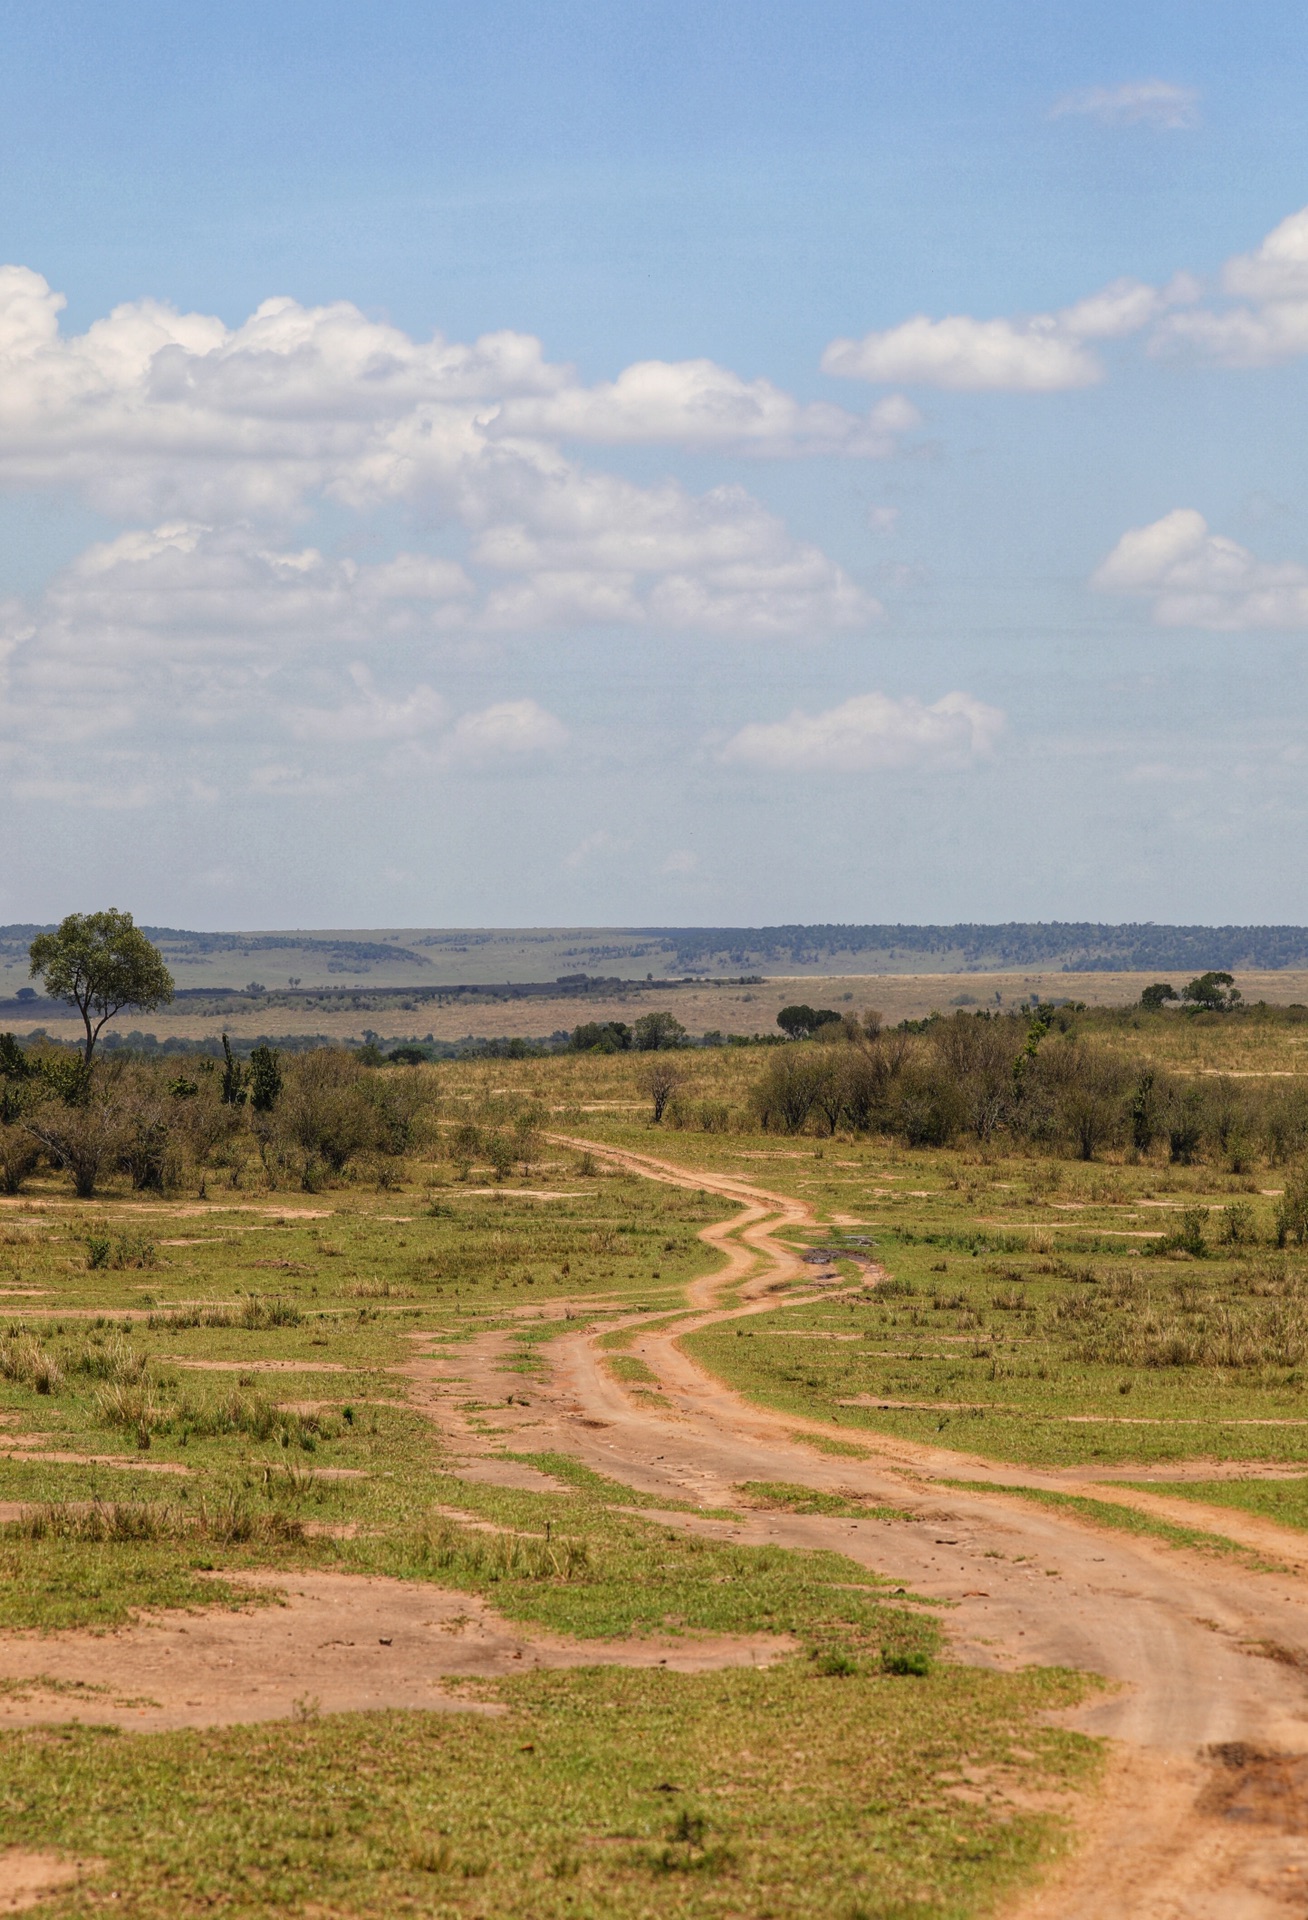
[
  {"x": 1076, "y": 946},
  {"x": 430, "y": 958}
]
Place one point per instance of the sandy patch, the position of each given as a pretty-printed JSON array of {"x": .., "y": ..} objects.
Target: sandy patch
[
  {"x": 263, "y": 1366},
  {"x": 493, "y": 1472},
  {"x": 19, "y": 1450},
  {"x": 514, "y": 1193},
  {"x": 341, "y": 1643},
  {"x": 26, "y": 1878}
]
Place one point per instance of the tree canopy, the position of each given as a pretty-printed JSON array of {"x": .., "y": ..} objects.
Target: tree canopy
[
  {"x": 654, "y": 1031},
  {"x": 1212, "y": 993},
  {"x": 801, "y": 1021},
  {"x": 601, "y": 1036},
  {"x": 102, "y": 964}
]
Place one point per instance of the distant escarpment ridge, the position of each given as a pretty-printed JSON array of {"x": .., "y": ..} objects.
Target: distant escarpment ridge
[
  {"x": 1075, "y": 946},
  {"x": 580, "y": 960}
]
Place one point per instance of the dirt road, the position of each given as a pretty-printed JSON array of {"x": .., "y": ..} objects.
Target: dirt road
[{"x": 1205, "y": 1812}]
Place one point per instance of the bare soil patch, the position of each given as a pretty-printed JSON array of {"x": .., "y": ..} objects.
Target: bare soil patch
[
  {"x": 262, "y": 1366},
  {"x": 341, "y": 1643},
  {"x": 19, "y": 1450},
  {"x": 26, "y": 1878}
]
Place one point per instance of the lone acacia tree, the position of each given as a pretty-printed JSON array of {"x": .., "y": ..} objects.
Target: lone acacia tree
[{"x": 102, "y": 964}]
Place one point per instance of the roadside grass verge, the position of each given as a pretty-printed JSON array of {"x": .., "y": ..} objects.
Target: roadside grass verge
[
  {"x": 1123, "y": 1519},
  {"x": 630, "y": 1371},
  {"x": 791, "y": 1498},
  {"x": 1284, "y": 1501}
]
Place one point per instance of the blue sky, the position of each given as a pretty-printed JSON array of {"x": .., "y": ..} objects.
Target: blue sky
[{"x": 653, "y": 463}]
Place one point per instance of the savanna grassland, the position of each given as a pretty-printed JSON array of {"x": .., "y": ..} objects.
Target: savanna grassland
[
  {"x": 206, "y": 1372},
  {"x": 1141, "y": 1306},
  {"x": 195, "y": 1388}
]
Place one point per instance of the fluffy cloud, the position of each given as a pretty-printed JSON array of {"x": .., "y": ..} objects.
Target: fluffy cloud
[
  {"x": 207, "y": 618},
  {"x": 151, "y": 412},
  {"x": 695, "y": 403},
  {"x": 1276, "y": 270},
  {"x": 508, "y": 730},
  {"x": 1043, "y": 353},
  {"x": 190, "y": 620},
  {"x": 219, "y": 431},
  {"x": 186, "y": 626},
  {"x": 870, "y": 732},
  {"x": 597, "y": 548},
  {"x": 371, "y": 716},
  {"x": 1149, "y": 103},
  {"x": 1271, "y": 324},
  {"x": 1195, "y": 578},
  {"x": 1029, "y": 356}
]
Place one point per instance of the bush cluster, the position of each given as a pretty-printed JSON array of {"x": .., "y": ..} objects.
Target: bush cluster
[
  {"x": 1033, "y": 1077},
  {"x": 302, "y": 1121}
]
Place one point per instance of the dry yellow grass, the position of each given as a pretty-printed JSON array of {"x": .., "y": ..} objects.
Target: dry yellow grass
[{"x": 699, "y": 1008}]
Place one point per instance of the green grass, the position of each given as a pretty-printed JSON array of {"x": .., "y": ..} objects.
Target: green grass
[
  {"x": 1045, "y": 1360},
  {"x": 820, "y": 1786},
  {"x": 1284, "y": 1501},
  {"x": 633, "y": 1372},
  {"x": 603, "y": 1793},
  {"x": 1120, "y": 1519},
  {"x": 52, "y": 1584},
  {"x": 797, "y": 1499}
]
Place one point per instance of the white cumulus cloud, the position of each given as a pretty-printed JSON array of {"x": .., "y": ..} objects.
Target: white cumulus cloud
[
  {"x": 184, "y": 624},
  {"x": 212, "y": 439},
  {"x": 1278, "y": 268},
  {"x": 696, "y": 403},
  {"x": 1026, "y": 356},
  {"x": 596, "y": 548},
  {"x": 1270, "y": 323},
  {"x": 1041, "y": 353},
  {"x": 507, "y": 730},
  {"x": 153, "y": 413},
  {"x": 211, "y": 607},
  {"x": 1149, "y": 103},
  {"x": 1194, "y": 578},
  {"x": 870, "y": 732},
  {"x": 371, "y": 715}
]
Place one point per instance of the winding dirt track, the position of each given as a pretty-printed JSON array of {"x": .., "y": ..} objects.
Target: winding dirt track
[{"x": 1204, "y": 1814}]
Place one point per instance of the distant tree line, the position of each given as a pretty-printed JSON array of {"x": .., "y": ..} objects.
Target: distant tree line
[{"x": 652, "y": 1033}]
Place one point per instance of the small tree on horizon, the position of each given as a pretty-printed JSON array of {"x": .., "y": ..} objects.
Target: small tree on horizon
[{"x": 102, "y": 964}]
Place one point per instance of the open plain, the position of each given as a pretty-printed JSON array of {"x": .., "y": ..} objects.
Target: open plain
[
  {"x": 701, "y": 1519},
  {"x": 701, "y": 1006}
]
